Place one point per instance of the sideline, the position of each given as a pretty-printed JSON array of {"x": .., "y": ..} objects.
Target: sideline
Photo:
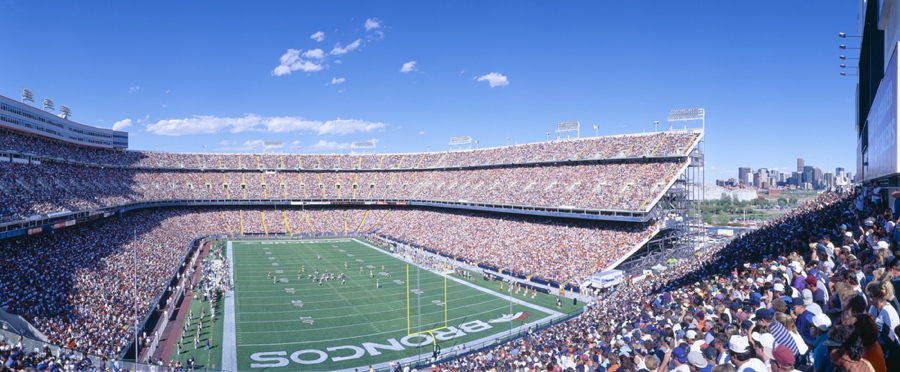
[{"x": 229, "y": 338}]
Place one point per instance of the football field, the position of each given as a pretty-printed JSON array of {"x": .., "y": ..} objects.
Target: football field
[{"x": 385, "y": 309}]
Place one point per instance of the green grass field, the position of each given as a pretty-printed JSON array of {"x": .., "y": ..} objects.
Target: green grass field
[{"x": 287, "y": 324}]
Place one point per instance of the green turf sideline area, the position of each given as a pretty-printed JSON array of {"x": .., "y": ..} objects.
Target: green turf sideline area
[
  {"x": 201, "y": 311},
  {"x": 285, "y": 323}
]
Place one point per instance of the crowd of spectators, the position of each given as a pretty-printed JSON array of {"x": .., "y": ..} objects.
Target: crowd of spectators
[
  {"x": 78, "y": 285},
  {"x": 608, "y": 147},
  {"x": 814, "y": 290},
  {"x": 21, "y": 143},
  {"x": 63, "y": 177},
  {"x": 32, "y": 189},
  {"x": 554, "y": 250}
]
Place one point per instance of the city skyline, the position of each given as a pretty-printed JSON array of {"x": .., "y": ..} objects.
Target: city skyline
[{"x": 763, "y": 177}]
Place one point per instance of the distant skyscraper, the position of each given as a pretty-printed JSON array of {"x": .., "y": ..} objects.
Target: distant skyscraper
[
  {"x": 760, "y": 177},
  {"x": 809, "y": 174},
  {"x": 800, "y": 164},
  {"x": 742, "y": 174}
]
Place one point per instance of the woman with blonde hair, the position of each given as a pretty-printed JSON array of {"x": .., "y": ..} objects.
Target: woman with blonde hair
[
  {"x": 788, "y": 322},
  {"x": 880, "y": 292}
]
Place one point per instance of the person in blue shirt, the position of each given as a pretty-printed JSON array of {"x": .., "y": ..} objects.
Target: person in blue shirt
[
  {"x": 819, "y": 329},
  {"x": 803, "y": 320}
]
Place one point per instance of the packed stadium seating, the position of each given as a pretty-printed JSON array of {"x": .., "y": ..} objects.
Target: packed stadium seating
[
  {"x": 627, "y": 146},
  {"x": 74, "y": 284},
  {"x": 53, "y": 187},
  {"x": 713, "y": 305},
  {"x": 84, "y": 275}
]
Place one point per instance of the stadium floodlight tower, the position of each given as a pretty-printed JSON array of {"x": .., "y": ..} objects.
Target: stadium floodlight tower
[
  {"x": 65, "y": 111},
  {"x": 48, "y": 104},
  {"x": 459, "y": 141},
  {"x": 362, "y": 145},
  {"x": 695, "y": 175},
  {"x": 685, "y": 115},
  {"x": 27, "y": 96},
  {"x": 272, "y": 145},
  {"x": 568, "y": 126}
]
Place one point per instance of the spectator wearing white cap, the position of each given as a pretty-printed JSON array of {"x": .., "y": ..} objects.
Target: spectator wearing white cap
[
  {"x": 799, "y": 277},
  {"x": 764, "y": 342},
  {"x": 691, "y": 338},
  {"x": 819, "y": 329},
  {"x": 739, "y": 348},
  {"x": 697, "y": 362}
]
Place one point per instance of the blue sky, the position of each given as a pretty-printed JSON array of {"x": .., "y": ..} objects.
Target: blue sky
[{"x": 408, "y": 75}]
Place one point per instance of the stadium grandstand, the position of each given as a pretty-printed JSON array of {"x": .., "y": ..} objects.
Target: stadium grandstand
[
  {"x": 86, "y": 205},
  {"x": 101, "y": 242}
]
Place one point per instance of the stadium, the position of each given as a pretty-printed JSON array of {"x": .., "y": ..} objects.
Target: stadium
[
  {"x": 541, "y": 218},
  {"x": 565, "y": 252}
]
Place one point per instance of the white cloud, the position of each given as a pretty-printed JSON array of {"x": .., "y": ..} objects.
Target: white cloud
[
  {"x": 347, "y": 126},
  {"x": 291, "y": 61},
  {"x": 318, "y": 36},
  {"x": 408, "y": 66},
  {"x": 338, "y": 50},
  {"x": 168, "y": 91},
  {"x": 335, "y": 80},
  {"x": 373, "y": 23},
  {"x": 201, "y": 124},
  {"x": 421, "y": 132},
  {"x": 295, "y": 143},
  {"x": 341, "y": 91},
  {"x": 133, "y": 88},
  {"x": 246, "y": 146},
  {"x": 121, "y": 124},
  {"x": 324, "y": 145},
  {"x": 495, "y": 79},
  {"x": 314, "y": 53}
]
